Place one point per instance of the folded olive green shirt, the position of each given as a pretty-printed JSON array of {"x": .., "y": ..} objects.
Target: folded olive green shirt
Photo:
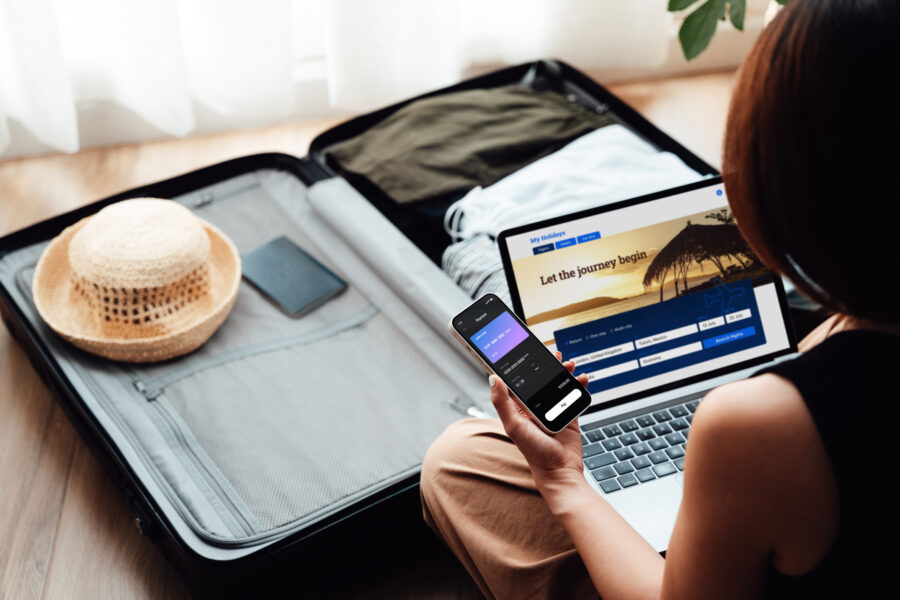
[{"x": 454, "y": 142}]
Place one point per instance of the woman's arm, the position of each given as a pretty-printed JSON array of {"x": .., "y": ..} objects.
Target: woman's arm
[
  {"x": 621, "y": 562},
  {"x": 739, "y": 485}
]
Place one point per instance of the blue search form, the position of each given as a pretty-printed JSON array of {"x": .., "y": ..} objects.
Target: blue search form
[{"x": 664, "y": 336}]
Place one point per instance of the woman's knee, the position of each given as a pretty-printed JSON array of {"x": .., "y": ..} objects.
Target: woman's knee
[{"x": 458, "y": 443}]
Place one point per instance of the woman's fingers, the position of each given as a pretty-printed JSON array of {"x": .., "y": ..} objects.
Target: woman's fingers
[
  {"x": 568, "y": 364},
  {"x": 499, "y": 396},
  {"x": 582, "y": 379},
  {"x": 506, "y": 409}
]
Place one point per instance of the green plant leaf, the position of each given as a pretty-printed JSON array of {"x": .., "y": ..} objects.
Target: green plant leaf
[
  {"x": 699, "y": 27},
  {"x": 736, "y": 9},
  {"x": 679, "y": 4},
  {"x": 782, "y": 2}
]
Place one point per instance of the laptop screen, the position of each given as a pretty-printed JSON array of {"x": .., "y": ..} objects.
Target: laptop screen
[{"x": 647, "y": 294}]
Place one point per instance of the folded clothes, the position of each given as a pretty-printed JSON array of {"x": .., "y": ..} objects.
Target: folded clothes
[
  {"x": 451, "y": 143},
  {"x": 474, "y": 265},
  {"x": 604, "y": 166}
]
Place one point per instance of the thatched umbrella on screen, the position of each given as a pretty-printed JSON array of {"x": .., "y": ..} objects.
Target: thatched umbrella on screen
[{"x": 697, "y": 243}]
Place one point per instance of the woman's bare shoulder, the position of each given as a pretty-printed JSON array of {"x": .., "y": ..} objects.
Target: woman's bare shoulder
[
  {"x": 759, "y": 432},
  {"x": 762, "y": 419},
  {"x": 761, "y": 400}
]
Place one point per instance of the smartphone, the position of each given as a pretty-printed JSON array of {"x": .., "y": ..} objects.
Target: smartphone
[{"x": 504, "y": 346}]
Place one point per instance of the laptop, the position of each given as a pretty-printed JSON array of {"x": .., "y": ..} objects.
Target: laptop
[{"x": 658, "y": 299}]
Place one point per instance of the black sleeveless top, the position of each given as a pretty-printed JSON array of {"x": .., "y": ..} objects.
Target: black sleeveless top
[{"x": 850, "y": 383}]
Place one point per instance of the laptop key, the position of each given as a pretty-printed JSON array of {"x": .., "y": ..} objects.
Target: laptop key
[
  {"x": 590, "y": 426},
  {"x": 640, "y": 449},
  {"x": 664, "y": 469},
  {"x": 641, "y": 462},
  {"x": 674, "y": 452},
  {"x": 662, "y": 429},
  {"x": 678, "y": 411},
  {"x": 679, "y": 424},
  {"x": 645, "y": 421},
  {"x": 611, "y": 431},
  {"x": 689, "y": 418},
  {"x": 624, "y": 454},
  {"x": 601, "y": 460},
  {"x": 623, "y": 467},
  {"x": 584, "y": 441},
  {"x": 657, "y": 444},
  {"x": 591, "y": 450},
  {"x": 628, "y": 439},
  {"x": 679, "y": 462},
  {"x": 611, "y": 444},
  {"x": 658, "y": 457},
  {"x": 674, "y": 438},
  {"x": 685, "y": 434},
  {"x": 692, "y": 405},
  {"x": 610, "y": 486},
  {"x": 603, "y": 473},
  {"x": 662, "y": 416},
  {"x": 594, "y": 435},
  {"x": 646, "y": 434},
  {"x": 645, "y": 475},
  {"x": 627, "y": 480},
  {"x": 628, "y": 426}
]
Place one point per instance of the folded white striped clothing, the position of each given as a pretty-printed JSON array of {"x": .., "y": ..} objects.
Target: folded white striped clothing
[{"x": 609, "y": 164}]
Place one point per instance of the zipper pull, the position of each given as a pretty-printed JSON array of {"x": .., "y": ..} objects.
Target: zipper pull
[
  {"x": 139, "y": 386},
  {"x": 205, "y": 199},
  {"x": 466, "y": 407}
]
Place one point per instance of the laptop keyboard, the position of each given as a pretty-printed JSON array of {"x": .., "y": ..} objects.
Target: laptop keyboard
[{"x": 638, "y": 449}]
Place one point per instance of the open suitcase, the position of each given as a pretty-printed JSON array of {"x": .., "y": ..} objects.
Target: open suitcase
[{"x": 287, "y": 448}]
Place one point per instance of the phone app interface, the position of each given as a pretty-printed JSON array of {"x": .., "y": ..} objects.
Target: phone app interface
[{"x": 524, "y": 363}]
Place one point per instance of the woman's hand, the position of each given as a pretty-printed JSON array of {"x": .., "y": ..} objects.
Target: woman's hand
[{"x": 555, "y": 460}]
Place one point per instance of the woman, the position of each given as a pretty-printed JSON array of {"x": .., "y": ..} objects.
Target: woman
[{"x": 786, "y": 474}]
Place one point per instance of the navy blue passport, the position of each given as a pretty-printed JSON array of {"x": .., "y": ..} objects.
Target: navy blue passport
[{"x": 289, "y": 277}]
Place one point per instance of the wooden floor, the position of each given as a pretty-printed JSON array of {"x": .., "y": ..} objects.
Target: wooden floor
[{"x": 65, "y": 532}]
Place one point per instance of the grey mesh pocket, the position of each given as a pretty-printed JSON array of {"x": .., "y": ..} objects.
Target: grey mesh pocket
[{"x": 305, "y": 430}]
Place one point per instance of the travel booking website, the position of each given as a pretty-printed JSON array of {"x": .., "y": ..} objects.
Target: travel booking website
[{"x": 648, "y": 294}]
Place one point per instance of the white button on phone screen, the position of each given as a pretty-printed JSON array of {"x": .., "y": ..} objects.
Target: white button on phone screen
[{"x": 562, "y": 405}]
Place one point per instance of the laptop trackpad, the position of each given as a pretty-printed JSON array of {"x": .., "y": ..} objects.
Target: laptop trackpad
[{"x": 650, "y": 508}]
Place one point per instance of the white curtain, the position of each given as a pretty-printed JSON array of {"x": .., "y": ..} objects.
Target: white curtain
[{"x": 152, "y": 68}]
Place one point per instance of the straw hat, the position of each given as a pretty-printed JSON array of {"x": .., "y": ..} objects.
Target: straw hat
[{"x": 141, "y": 280}]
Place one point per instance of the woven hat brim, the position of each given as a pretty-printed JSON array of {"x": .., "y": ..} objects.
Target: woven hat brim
[{"x": 68, "y": 315}]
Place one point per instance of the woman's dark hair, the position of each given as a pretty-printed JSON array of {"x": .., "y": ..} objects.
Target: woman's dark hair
[{"x": 812, "y": 152}]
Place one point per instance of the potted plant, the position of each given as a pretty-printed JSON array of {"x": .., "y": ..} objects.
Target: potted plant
[{"x": 698, "y": 27}]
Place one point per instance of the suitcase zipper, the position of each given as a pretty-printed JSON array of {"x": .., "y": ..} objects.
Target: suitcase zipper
[
  {"x": 176, "y": 430},
  {"x": 152, "y": 387},
  {"x": 222, "y": 496},
  {"x": 100, "y": 395}
]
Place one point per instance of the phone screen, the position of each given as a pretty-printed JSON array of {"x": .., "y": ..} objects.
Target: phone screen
[{"x": 525, "y": 364}]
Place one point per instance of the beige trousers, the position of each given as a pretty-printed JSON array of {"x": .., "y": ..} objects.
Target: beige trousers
[{"x": 479, "y": 497}]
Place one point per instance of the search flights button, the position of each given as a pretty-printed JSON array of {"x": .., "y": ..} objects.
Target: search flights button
[{"x": 562, "y": 405}]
